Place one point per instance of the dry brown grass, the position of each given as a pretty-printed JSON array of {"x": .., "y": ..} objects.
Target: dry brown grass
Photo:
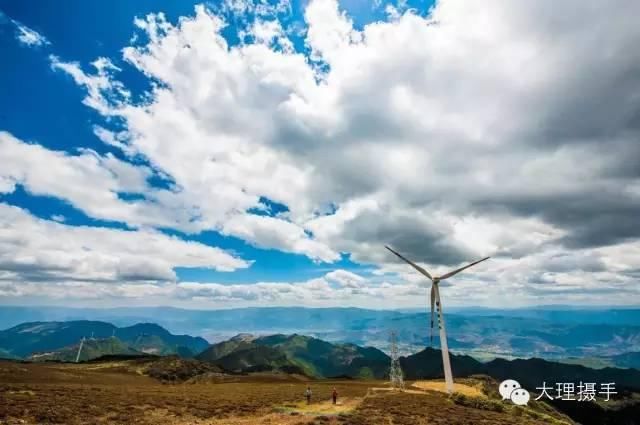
[
  {"x": 403, "y": 408},
  {"x": 438, "y": 385},
  {"x": 84, "y": 394}
]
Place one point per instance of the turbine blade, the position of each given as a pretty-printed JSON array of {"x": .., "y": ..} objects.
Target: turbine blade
[
  {"x": 456, "y": 271},
  {"x": 433, "y": 301},
  {"x": 414, "y": 265}
]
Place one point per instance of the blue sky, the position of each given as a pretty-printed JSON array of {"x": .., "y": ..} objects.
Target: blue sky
[
  {"x": 291, "y": 152},
  {"x": 86, "y": 30}
]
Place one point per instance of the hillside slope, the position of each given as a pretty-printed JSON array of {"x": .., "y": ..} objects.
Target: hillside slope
[
  {"x": 325, "y": 359},
  {"x": 309, "y": 355},
  {"x": 91, "y": 349},
  {"x": 258, "y": 358},
  {"x": 221, "y": 349}
]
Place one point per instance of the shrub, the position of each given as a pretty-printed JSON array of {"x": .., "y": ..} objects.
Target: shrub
[{"x": 478, "y": 402}]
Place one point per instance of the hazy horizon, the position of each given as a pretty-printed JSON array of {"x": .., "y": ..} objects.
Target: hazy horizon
[{"x": 419, "y": 308}]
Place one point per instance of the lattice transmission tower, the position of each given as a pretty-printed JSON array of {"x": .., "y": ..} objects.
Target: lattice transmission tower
[{"x": 395, "y": 371}]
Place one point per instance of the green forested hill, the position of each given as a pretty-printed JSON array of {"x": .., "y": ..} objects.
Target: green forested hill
[
  {"x": 36, "y": 337},
  {"x": 311, "y": 356},
  {"x": 91, "y": 349}
]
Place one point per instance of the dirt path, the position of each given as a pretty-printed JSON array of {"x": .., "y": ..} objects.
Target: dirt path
[{"x": 327, "y": 408}]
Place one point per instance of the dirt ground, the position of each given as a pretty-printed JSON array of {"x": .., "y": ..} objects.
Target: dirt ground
[
  {"x": 32, "y": 393},
  {"x": 101, "y": 394}
]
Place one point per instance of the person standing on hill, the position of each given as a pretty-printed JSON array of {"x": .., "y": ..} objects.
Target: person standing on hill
[
  {"x": 334, "y": 394},
  {"x": 308, "y": 395}
]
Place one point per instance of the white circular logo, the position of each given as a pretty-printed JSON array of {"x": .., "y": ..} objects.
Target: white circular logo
[
  {"x": 507, "y": 387},
  {"x": 520, "y": 396}
]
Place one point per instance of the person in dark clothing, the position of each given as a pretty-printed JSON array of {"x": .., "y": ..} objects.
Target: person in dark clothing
[{"x": 334, "y": 394}]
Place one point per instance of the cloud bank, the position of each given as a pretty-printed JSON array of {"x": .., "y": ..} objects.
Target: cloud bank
[{"x": 504, "y": 129}]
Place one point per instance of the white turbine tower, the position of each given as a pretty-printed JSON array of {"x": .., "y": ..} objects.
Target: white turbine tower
[
  {"x": 79, "y": 350},
  {"x": 435, "y": 299}
]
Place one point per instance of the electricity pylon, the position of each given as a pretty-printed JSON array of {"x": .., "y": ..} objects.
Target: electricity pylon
[{"x": 395, "y": 371}]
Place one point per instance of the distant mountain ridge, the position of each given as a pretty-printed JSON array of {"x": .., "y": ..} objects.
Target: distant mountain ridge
[
  {"x": 317, "y": 358},
  {"x": 530, "y": 373},
  {"x": 630, "y": 359},
  {"x": 602, "y": 334},
  {"x": 296, "y": 354},
  {"x": 286, "y": 353},
  {"x": 39, "y": 337}
]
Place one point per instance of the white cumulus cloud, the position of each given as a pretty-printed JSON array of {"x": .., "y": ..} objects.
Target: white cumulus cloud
[
  {"x": 36, "y": 250},
  {"x": 497, "y": 128}
]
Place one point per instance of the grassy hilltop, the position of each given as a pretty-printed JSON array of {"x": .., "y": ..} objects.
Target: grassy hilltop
[{"x": 125, "y": 392}]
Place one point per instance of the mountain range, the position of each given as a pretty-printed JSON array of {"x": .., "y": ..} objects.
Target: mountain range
[
  {"x": 293, "y": 354},
  {"x": 316, "y": 358},
  {"x": 596, "y": 337},
  {"x": 44, "y": 338}
]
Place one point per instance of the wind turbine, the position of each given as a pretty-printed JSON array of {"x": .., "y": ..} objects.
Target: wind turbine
[
  {"x": 435, "y": 299},
  {"x": 79, "y": 350}
]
